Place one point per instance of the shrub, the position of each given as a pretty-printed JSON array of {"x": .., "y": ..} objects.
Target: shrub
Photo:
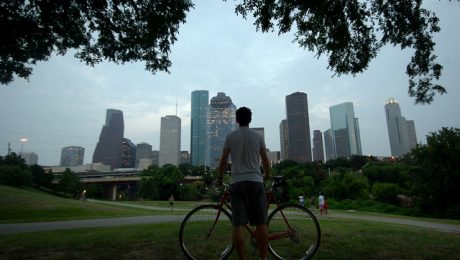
[
  {"x": 14, "y": 175},
  {"x": 386, "y": 192}
]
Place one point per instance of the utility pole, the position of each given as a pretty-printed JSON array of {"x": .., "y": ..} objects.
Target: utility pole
[{"x": 9, "y": 148}]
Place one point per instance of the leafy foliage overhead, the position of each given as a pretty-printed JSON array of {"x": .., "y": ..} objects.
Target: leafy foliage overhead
[
  {"x": 349, "y": 32},
  {"x": 116, "y": 30}
]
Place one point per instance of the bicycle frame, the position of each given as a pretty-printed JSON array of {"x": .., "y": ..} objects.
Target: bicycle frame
[{"x": 271, "y": 197}]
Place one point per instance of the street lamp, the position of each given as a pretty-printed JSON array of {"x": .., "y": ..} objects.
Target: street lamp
[{"x": 23, "y": 140}]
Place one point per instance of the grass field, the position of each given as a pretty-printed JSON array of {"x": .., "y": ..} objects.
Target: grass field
[
  {"x": 28, "y": 205},
  {"x": 341, "y": 239}
]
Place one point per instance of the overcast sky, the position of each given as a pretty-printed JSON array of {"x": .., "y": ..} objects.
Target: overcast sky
[{"x": 64, "y": 102}]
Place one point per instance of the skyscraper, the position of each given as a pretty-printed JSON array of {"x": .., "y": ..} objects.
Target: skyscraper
[
  {"x": 128, "y": 157},
  {"x": 184, "y": 157},
  {"x": 284, "y": 139},
  {"x": 143, "y": 151},
  {"x": 412, "y": 134},
  {"x": 109, "y": 149},
  {"x": 30, "y": 158},
  {"x": 72, "y": 156},
  {"x": 318, "y": 151},
  {"x": 298, "y": 124},
  {"x": 221, "y": 122},
  {"x": 400, "y": 131},
  {"x": 155, "y": 157},
  {"x": 345, "y": 130},
  {"x": 170, "y": 140},
  {"x": 328, "y": 145},
  {"x": 199, "y": 141}
]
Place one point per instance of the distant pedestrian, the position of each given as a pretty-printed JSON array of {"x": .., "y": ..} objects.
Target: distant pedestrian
[
  {"x": 171, "y": 201},
  {"x": 83, "y": 195},
  {"x": 321, "y": 203},
  {"x": 301, "y": 200}
]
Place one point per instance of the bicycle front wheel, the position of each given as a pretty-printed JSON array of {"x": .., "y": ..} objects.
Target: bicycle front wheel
[
  {"x": 204, "y": 236},
  {"x": 294, "y": 232}
]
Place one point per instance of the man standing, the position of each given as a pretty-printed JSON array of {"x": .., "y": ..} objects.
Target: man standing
[
  {"x": 248, "y": 200},
  {"x": 321, "y": 203}
]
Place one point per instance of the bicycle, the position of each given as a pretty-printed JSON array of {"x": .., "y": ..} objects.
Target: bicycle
[{"x": 206, "y": 231}]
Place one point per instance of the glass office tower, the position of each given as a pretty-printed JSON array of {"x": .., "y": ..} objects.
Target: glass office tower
[
  {"x": 72, "y": 156},
  {"x": 128, "y": 157},
  {"x": 284, "y": 139},
  {"x": 221, "y": 122},
  {"x": 400, "y": 131},
  {"x": 318, "y": 150},
  {"x": 328, "y": 145},
  {"x": 345, "y": 130},
  {"x": 199, "y": 141},
  {"x": 143, "y": 151}
]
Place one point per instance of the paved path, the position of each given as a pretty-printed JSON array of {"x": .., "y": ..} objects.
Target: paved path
[
  {"x": 110, "y": 222},
  {"x": 71, "y": 224},
  {"x": 402, "y": 221}
]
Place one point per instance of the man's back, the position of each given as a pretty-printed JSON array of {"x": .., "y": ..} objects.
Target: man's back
[{"x": 244, "y": 145}]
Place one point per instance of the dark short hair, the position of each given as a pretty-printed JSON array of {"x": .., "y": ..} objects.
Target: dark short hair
[{"x": 243, "y": 116}]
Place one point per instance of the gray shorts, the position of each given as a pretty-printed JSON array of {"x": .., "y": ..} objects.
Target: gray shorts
[{"x": 248, "y": 203}]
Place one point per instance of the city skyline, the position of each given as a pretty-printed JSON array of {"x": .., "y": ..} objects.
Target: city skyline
[{"x": 62, "y": 104}]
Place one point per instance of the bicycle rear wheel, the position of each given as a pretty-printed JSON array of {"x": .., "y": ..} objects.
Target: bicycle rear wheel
[
  {"x": 296, "y": 235},
  {"x": 202, "y": 237}
]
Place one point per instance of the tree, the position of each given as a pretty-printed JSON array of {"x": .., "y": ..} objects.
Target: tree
[
  {"x": 346, "y": 185},
  {"x": 160, "y": 183},
  {"x": 188, "y": 192},
  {"x": 349, "y": 32},
  {"x": 386, "y": 192},
  {"x": 14, "y": 171},
  {"x": 118, "y": 31},
  {"x": 438, "y": 175},
  {"x": 40, "y": 177},
  {"x": 70, "y": 183},
  {"x": 13, "y": 159},
  {"x": 385, "y": 172}
]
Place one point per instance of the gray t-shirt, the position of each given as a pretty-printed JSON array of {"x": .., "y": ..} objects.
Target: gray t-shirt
[{"x": 244, "y": 145}]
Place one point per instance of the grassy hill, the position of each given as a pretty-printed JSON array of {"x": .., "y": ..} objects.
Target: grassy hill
[{"x": 29, "y": 205}]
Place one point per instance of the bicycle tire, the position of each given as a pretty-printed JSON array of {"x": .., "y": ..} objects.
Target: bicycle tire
[
  {"x": 303, "y": 242},
  {"x": 194, "y": 237}
]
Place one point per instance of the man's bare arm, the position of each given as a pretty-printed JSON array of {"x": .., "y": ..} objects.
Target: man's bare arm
[
  {"x": 223, "y": 163},
  {"x": 265, "y": 163}
]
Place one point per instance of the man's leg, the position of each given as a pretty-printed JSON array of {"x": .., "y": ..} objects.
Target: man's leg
[
  {"x": 262, "y": 240},
  {"x": 238, "y": 241}
]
